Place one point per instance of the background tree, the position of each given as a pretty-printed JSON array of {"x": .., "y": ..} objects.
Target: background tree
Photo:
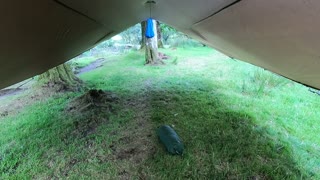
[
  {"x": 159, "y": 35},
  {"x": 152, "y": 47},
  {"x": 143, "y": 32},
  {"x": 151, "y": 44},
  {"x": 60, "y": 78},
  {"x": 167, "y": 32},
  {"x": 143, "y": 36},
  {"x": 132, "y": 35}
]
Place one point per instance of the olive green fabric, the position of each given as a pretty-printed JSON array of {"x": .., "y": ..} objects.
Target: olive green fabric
[
  {"x": 280, "y": 36},
  {"x": 170, "y": 139}
]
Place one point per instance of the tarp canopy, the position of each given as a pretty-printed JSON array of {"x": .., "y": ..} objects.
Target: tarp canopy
[{"x": 281, "y": 36}]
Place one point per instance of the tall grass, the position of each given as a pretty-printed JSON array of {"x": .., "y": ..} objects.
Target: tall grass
[{"x": 261, "y": 82}]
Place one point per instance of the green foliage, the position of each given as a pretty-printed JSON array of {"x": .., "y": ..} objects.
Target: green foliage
[
  {"x": 106, "y": 44},
  {"x": 132, "y": 35},
  {"x": 228, "y": 129},
  {"x": 167, "y": 31},
  {"x": 175, "y": 38}
]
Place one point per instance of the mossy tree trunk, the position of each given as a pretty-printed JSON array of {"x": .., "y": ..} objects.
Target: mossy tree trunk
[{"x": 60, "y": 78}]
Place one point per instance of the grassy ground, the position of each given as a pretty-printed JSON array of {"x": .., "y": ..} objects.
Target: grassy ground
[{"x": 237, "y": 122}]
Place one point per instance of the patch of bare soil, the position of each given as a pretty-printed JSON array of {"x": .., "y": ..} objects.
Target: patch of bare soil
[
  {"x": 163, "y": 56},
  {"x": 16, "y": 105},
  {"x": 137, "y": 141},
  {"x": 91, "y": 110},
  {"x": 10, "y": 92},
  {"x": 16, "y": 89},
  {"x": 92, "y": 66},
  {"x": 27, "y": 98}
]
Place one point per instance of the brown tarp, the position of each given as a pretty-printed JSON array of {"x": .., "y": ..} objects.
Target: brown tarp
[{"x": 281, "y": 36}]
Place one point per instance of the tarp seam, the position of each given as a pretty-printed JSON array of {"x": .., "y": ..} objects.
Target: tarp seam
[
  {"x": 233, "y": 3},
  {"x": 78, "y": 12}
]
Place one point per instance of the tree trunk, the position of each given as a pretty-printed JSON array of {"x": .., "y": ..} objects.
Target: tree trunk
[
  {"x": 143, "y": 36},
  {"x": 151, "y": 51},
  {"x": 160, "y": 44},
  {"x": 60, "y": 78},
  {"x": 152, "y": 48}
]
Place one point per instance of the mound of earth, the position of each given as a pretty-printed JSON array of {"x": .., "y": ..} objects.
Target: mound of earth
[
  {"x": 91, "y": 110},
  {"x": 93, "y": 99}
]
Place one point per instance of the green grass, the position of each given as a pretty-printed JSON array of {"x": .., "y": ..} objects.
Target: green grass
[{"x": 237, "y": 121}]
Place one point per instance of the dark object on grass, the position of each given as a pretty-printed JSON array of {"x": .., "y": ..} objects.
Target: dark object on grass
[{"x": 170, "y": 139}]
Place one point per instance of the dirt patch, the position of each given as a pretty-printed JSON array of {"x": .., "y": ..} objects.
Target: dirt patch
[
  {"x": 26, "y": 97},
  {"x": 10, "y": 92},
  {"x": 92, "y": 66},
  {"x": 16, "y": 89},
  {"x": 91, "y": 110},
  {"x": 136, "y": 141},
  {"x": 163, "y": 56},
  {"x": 127, "y": 153},
  {"x": 93, "y": 99}
]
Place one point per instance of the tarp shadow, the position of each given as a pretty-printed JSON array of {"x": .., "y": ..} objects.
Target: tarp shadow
[{"x": 219, "y": 143}]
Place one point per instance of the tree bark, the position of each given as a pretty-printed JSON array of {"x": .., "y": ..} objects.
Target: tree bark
[
  {"x": 60, "y": 78},
  {"x": 152, "y": 48},
  {"x": 143, "y": 36},
  {"x": 159, "y": 34},
  {"x": 151, "y": 51}
]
